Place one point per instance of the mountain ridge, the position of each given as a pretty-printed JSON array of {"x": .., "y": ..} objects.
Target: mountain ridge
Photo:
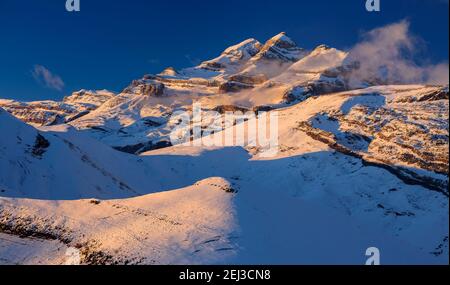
[{"x": 354, "y": 166}]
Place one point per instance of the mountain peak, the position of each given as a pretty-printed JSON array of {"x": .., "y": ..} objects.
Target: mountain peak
[
  {"x": 251, "y": 46},
  {"x": 235, "y": 55},
  {"x": 281, "y": 47},
  {"x": 322, "y": 47},
  {"x": 281, "y": 40},
  {"x": 169, "y": 71}
]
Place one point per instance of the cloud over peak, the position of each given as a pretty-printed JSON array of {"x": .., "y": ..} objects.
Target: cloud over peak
[{"x": 391, "y": 51}]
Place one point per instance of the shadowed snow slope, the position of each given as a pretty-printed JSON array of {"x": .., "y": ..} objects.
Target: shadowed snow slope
[
  {"x": 322, "y": 208},
  {"x": 65, "y": 165}
]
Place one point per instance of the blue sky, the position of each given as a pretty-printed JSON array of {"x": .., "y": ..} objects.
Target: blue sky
[{"x": 46, "y": 52}]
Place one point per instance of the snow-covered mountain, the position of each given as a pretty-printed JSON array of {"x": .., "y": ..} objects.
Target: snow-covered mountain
[
  {"x": 63, "y": 164},
  {"x": 44, "y": 113},
  {"x": 357, "y": 166},
  {"x": 248, "y": 75}
]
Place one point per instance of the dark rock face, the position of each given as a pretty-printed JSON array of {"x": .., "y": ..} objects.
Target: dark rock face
[
  {"x": 344, "y": 71},
  {"x": 259, "y": 109},
  {"x": 58, "y": 119},
  {"x": 154, "y": 146},
  {"x": 229, "y": 108},
  {"x": 151, "y": 123},
  {"x": 432, "y": 96},
  {"x": 40, "y": 146},
  {"x": 213, "y": 65},
  {"x": 233, "y": 86},
  {"x": 325, "y": 87},
  {"x": 301, "y": 93},
  {"x": 152, "y": 89},
  {"x": 77, "y": 116},
  {"x": 143, "y": 147},
  {"x": 249, "y": 79},
  {"x": 294, "y": 94},
  {"x": 131, "y": 149},
  {"x": 440, "y": 95}
]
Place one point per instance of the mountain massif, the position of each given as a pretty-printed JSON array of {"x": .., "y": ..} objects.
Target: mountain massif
[{"x": 359, "y": 164}]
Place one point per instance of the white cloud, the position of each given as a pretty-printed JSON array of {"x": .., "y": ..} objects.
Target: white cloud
[
  {"x": 47, "y": 78},
  {"x": 388, "y": 52}
]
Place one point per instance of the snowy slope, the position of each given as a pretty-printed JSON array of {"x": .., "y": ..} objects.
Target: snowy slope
[
  {"x": 321, "y": 206},
  {"x": 64, "y": 165},
  {"x": 353, "y": 168},
  {"x": 297, "y": 216},
  {"x": 191, "y": 225}
]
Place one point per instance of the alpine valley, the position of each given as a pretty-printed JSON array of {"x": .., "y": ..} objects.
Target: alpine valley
[{"x": 361, "y": 163}]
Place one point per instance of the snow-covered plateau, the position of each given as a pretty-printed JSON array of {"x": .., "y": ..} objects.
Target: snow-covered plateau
[{"x": 358, "y": 165}]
